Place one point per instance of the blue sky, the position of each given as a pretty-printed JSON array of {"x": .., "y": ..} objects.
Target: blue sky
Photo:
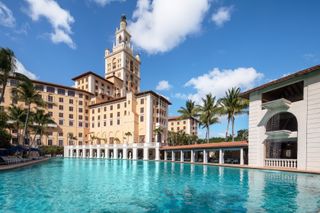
[{"x": 192, "y": 46}]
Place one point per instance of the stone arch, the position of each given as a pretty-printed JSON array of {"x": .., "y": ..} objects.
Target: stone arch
[{"x": 282, "y": 121}]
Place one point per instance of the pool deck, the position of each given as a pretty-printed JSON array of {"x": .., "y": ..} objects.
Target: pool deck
[
  {"x": 20, "y": 165},
  {"x": 250, "y": 167}
]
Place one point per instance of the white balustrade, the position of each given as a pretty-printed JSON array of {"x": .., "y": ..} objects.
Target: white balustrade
[{"x": 284, "y": 163}]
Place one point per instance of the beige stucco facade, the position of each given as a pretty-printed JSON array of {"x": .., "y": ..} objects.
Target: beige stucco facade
[
  {"x": 105, "y": 110},
  {"x": 188, "y": 125}
]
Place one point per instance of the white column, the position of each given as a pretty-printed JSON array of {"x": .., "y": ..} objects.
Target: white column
[
  {"x": 90, "y": 152},
  {"x": 165, "y": 155},
  {"x": 172, "y": 156},
  {"x": 106, "y": 153},
  {"x": 134, "y": 153},
  {"x": 192, "y": 156},
  {"x": 145, "y": 153},
  {"x": 98, "y": 152},
  {"x": 241, "y": 157},
  {"x": 77, "y": 152},
  {"x": 148, "y": 117},
  {"x": 157, "y": 150},
  {"x": 181, "y": 156},
  {"x": 66, "y": 151},
  {"x": 205, "y": 156},
  {"x": 125, "y": 153},
  {"x": 115, "y": 153},
  {"x": 221, "y": 156}
]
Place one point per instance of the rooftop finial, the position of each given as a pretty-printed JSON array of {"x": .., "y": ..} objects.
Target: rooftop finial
[{"x": 123, "y": 17}]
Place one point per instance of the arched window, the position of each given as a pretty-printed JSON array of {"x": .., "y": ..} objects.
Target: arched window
[
  {"x": 114, "y": 63},
  {"x": 282, "y": 121}
]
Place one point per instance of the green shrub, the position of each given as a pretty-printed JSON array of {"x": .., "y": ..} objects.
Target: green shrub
[{"x": 5, "y": 138}]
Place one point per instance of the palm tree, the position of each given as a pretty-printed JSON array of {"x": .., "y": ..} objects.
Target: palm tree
[
  {"x": 208, "y": 113},
  {"x": 232, "y": 104},
  {"x": 40, "y": 122},
  {"x": 7, "y": 68},
  {"x": 16, "y": 117},
  {"x": 71, "y": 138},
  {"x": 26, "y": 92},
  {"x": 189, "y": 111},
  {"x": 128, "y": 134},
  {"x": 158, "y": 131}
]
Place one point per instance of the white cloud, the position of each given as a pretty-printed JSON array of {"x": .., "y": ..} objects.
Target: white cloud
[
  {"x": 103, "y": 3},
  {"x": 160, "y": 25},
  {"x": 59, "y": 18},
  {"x": 222, "y": 15},
  {"x": 6, "y": 16},
  {"x": 163, "y": 85},
  {"x": 181, "y": 96},
  {"x": 219, "y": 81},
  {"x": 21, "y": 69}
]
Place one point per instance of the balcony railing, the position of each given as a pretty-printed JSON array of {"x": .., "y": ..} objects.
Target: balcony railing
[{"x": 283, "y": 163}]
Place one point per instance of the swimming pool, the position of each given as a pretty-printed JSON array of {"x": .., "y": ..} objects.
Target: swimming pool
[{"x": 97, "y": 185}]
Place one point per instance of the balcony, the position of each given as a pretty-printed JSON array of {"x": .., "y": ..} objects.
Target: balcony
[
  {"x": 282, "y": 163},
  {"x": 281, "y": 103}
]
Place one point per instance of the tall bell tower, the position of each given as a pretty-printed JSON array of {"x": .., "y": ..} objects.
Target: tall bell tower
[{"x": 121, "y": 66}]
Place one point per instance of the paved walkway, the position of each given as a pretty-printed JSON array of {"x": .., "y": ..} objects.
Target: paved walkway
[{"x": 19, "y": 165}]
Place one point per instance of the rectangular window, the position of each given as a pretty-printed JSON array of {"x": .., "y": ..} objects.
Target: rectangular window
[
  {"x": 118, "y": 114},
  {"x": 80, "y": 123},
  {"x": 70, "y": 123},
  {"x": 141, "y": 101},
  {"x": 60, "y": 107},
  {"x": 110, "y": 122},
  {"x": 49, "y": 142},
  {"x": 50, "y": 98},
  {"x": 71, "y": 109},
  {"x": 80, "y": 95},
  {"x": 105, "y": 109},
  {"x": 71, "y": 93},
  {"x": 80, "y": 110},
  {"x": 60, "y": 142},
  {"x": 50, "y": 106},
  {"x": 141, "y": 118},
  {"x": 60, "y": 122},
  {"x": 80, "y": 103},
  {"x": 61, "y": 115},
  {"x": 61, "y": 100},
  {"x": 61, "y": 92},
  {"x": 141, "y": 110},
  {"x": 60, "y": 134},
  {"x": 118, "y": 106},
  {"x": 71, "y": 116},
  {"x": 70, "y": 101},
  {"x": 80, "y": 134},
  {"x": 111, "y": 115},
  {"x": 111, "y": 107},
  {"x": 50, "y": 89},
  {"x": 38, "y": 87},
  {"x": 80, "y": 117}
]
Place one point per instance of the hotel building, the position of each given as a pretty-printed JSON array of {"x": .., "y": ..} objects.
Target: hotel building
[
  {"x": 107, "y": 116},
  {"x": 284, "y": 122},
  {"x": 188, "y": 125}
]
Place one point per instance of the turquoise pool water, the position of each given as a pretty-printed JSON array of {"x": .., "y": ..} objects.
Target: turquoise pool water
[{"x": 91, "y": 185}]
